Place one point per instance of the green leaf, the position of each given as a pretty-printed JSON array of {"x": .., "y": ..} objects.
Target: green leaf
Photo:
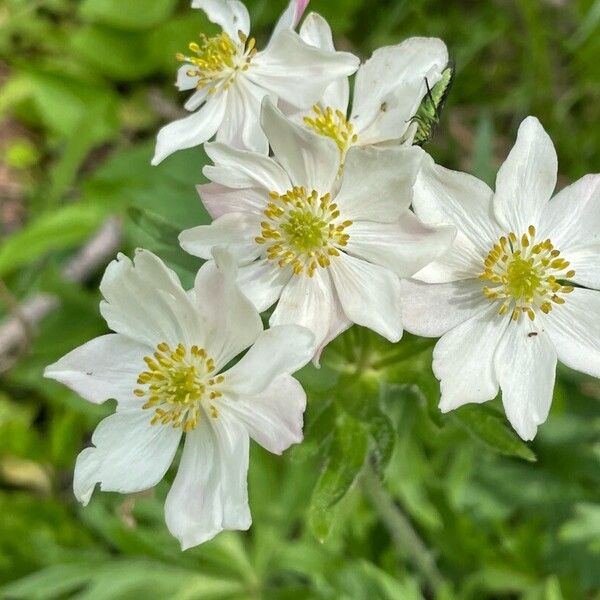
[
  {"x": 491, "y": 429},
  {"x": 132, "y": 14},
  {"x": 56, "y": 230},
  {"x": 54, "y": 582},
  {"x": 347, "y": 455}
]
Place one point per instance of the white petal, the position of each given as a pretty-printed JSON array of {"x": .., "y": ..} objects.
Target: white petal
[
  {"x": 296, "y": 72},
  {"x": 310, "y": 302},
  {"x": 144, "y": 301},
  {"x": 241, "y": 124},
  {"x": 463, "y": 359},
  {"x": 572, "y": 221},
  {"x": 310, "y": 160},
  {"x": 574, "y": 328},
  {"x": 232, "y": 323},
  {"x": 190, "y": 131},
  {"x": 431, "y": 310},
  {"x": 184, "y": 81},
  {"x": 242, "y": 169},
  {"x": 236, "y": 231},
  {"x": 526, "y": 180},
  {"x": 291, "y": 16},
  {"x": 315, "y": 31},
  {"x": 280, "y": 350},
  {"x": 273, "y": 418},
  {"x": 263, "y": 281},
  {"x": 403, "y": 247},
  {"x": 105, "y": 367},
  {"x": 377, "y": 183},
  {"x": 129, "y": 455},
  {"x": 230, "y": 15},
  {"x": 220, "y": 200},
  {"x": 450, "y": 197},
  {"x": 526, "y": 368},
  {"x": 390, "y": 86},
  {"x": 369, "y": 294},
  {"x": 209, "y": 493}
]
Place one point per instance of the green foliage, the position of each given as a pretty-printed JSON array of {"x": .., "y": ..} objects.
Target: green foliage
[{"x": 386, "y": 497}]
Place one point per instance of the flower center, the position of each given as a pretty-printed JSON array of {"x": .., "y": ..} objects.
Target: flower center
[
  {"x": 176, "y": 384},
  {"x": 218, "y": 59},
  {"x": 525, "y": 275},
  {"x": 302, "y": 230},
  {"x": 334, "y": 125}
]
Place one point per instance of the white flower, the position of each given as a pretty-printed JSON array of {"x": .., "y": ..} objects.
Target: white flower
[
  {"x": 330, "y": 250},
  {"x": 164, "y": 366},
  {"x": 503, "y": 299},
  {"x": 388, "y": 90},
  {"x": 230, "y": 78}
]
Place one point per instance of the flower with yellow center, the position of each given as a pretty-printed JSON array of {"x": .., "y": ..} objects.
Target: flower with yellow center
[
  {"x": 329, "y": 250},
  {"x": 388, "y": 90},
  {"x": 519, "y": 289},
  {"x": 229, "y": 78},
  {"x": 167, "y": 369}
]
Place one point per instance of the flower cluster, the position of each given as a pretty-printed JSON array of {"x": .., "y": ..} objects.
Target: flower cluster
[{"x": 330, "y": 215}]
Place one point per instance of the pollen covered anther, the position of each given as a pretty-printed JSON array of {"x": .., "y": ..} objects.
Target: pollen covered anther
[
  {"x": 524, "y": 275},
  {"x": 332, "y": 124},
  {"x": 216, "y": 61},
  {"x": 176, "y": 384},
  {"x": 302, "y": 230}
]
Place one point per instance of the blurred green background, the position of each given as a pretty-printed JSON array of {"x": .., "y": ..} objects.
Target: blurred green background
[{"x": 386, "y": 498}]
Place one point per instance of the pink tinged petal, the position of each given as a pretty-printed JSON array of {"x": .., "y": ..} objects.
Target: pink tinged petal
[
  {"x": 377, "y": 183},
  {"x": 273, "y": 418},
  {"x": 210, "y": 492},
  {"x": 526, "y": 368},
  {"x": 230, "y": 15},
  {"x": 296, "y": 72},
  {"x": 431, "y": 310},
  {"x": 191, "y": 131},
  {"x": 236, "y": 231},
  {"x": 310, "y": 302},
  {"x": 390, "y": 86},
  {"x": 369, "y": 294},
  {"x": 128, "y": 455},
  {"x": 105, "y": 367},
  {"x": 220, "y": 200},
  {"x": 280, "y": 350},
  {"x": 263, "y": 281},
  {"x": 291, "y": 16},
  {"x": 144, "y": 300},
  {"x": 526, "y": 180},
  {"x": 463, "y": 359},
  {"x": 572, "y": 221},
  {"x": 315, "y": 31},
  {"x": 403, "y": 247},
  {"x": 574, "y": 328},
  {"x": 241, "y": 124},
  {"x": 444, "y": 196},
  {"x": 310, "y": 160},
  {"x": 231, "y": 322},
  {"x": 242, "y": 169}
]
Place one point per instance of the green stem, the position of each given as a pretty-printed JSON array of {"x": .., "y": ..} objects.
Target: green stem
[{"x": 407, "y": 541}]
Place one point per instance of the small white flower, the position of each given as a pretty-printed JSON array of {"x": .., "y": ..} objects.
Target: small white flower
[
  {"x": 388, "y": 90},
  {"x": 164, "y": 366},
  {"x": 504, "y": 298},
  {"x": 230, "y": 78},
  {"x": 330, "y": 250}
]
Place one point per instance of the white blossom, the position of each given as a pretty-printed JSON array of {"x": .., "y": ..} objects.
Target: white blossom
[
  {"x": 388, "y": 90},
  {"x": 230, "y": 78},
  {"x": 519, "y": 288},
  {"x": 165, "y": 366},
  {"x": 329, "y": 251}
]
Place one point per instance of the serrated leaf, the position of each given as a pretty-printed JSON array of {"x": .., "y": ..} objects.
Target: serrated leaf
[
  {"x": 491, "y": 429},
  {"x": 347, "y": 455}
]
